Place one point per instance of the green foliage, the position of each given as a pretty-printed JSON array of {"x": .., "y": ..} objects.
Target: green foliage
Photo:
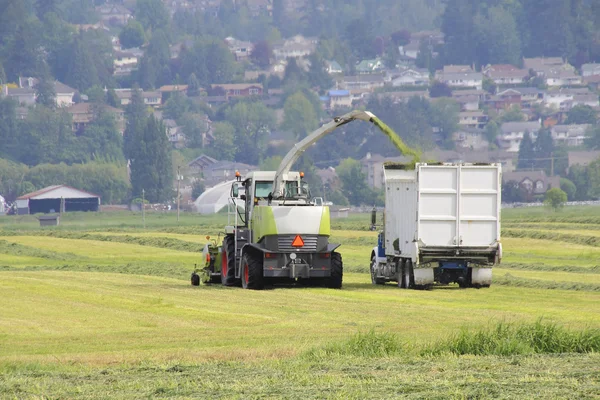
[
  {"x": 151, "y": 163},
  {"x": 197, "y": 189},
  {"x": 440, "y": 89},
  {"x": 132, "y": 35},
  {"x": 497, "y": 37},
  {"x": 592, "y": 139},
  {"x": 317, "y": 75},
  {"x": 569, "y": 188},
  {"x": 210, "y": 60},
  {"x": 176, "y": 106},
  {"x": 271, "y": 163},
  {"x": 152, "y": 14},
  {"x": 354, "y": 183},
  {"x": 365, "y": 345},
  {"x": 507, "y": 339},
  {"x": 262, "y": 53},
  {"x": 136, "y": 119},
  {"x": 252, "y": 123},
  {"x": 194, "y": 128},
  {"x": 81, "y": 73},
  {"x": 223, "y": 147},
  {"x": 526, "y": 152},
  {"x": 581, "y": 114},
  {"x": 299, "y": 116},
  {"x": 193, "y": 86},
  {"x": 555, "y": 198}
]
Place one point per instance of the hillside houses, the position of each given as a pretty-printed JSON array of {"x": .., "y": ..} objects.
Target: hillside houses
[{"x": 511, "y": 134}]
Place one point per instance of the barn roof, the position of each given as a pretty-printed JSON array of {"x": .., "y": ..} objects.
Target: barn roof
[{"x": 56, "y": 192}]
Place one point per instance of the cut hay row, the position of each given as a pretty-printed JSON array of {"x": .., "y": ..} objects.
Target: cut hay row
[
  {"x": 553, "y": 236},
  {"x": 514, "y": 281}
]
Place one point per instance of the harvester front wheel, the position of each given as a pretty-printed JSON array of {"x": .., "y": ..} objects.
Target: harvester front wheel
[
  {"x": 252, "y": 272},
  {"x": 337, "y": 271},
  {"x": 228, "y": 262}
]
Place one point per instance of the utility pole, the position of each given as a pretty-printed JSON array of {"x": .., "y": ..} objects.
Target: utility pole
[
  {"x": 144, "y": 208},
  {"x": 552, "y": 164},
  {"x": 178, "y": 185}
]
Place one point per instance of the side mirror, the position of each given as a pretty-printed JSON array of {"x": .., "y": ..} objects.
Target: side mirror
[
  {"x": 235, "y": 190},
  {"x": 374, "y": 217}
]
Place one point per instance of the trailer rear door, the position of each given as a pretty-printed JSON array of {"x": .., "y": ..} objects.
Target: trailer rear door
[{"x": 459, "y": 205}]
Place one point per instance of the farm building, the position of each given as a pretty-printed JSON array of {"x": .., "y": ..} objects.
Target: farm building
[
  {"x": 49, "y": 200},
  {"x": 214, "y": 199}
]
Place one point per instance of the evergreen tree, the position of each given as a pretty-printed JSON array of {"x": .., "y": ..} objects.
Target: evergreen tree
[
  {"x": 2, "y": 76},
  {"x": 23, "y": 53},
  {"x": 526, "y": 152},
  {"x": 543, "y": 150},
  {"x": 82, "y": 73},
  {"x": 151, "y": 168},
  {"x": 132, "y": 35},
  {"x": 45, "y": 91},
  {"x": 193, "y": 86},
  {"x": 112, "y": 99},
  {"x": 136, "y": 119}
]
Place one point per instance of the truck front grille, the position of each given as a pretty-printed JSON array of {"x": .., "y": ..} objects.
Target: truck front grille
[{"x": 284, "y": 243}]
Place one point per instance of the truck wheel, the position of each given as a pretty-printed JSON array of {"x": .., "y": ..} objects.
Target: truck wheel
[
  {"x": 408, "y": 276},
  {"x": 374, "y": 279},
  {"x": 337, "y": 271},
  {"x": 252, "y": 272},
  {"x": 228, "y": 262}
]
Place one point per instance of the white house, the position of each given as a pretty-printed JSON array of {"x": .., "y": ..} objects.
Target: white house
[
  {"x": 505, "y": 74},
  {"x": 569, "y": 135},
  {"x": 151, "y": 98},
  {"x": 511, "y": 134},
  {"x": 472, "y": 119},
  {"x": 462, "y": 79},
  {"x": 562, "y": 78},
  {"x": 590, "y": 69},
  {"x": 411, "y": 77},
  {"x": 339, "y": 99},
  {"x": 333, "y": 67}
]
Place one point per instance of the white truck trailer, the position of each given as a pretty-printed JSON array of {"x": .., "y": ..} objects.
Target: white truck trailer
[{"x": 441, "y": 224}]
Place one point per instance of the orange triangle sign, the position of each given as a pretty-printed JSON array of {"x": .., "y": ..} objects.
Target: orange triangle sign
[{"x": 298, "y": 242}]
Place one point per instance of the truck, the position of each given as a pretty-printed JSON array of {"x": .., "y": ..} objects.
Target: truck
[
  {"x": 441, "y": 225},
  {"x": 276, "y": 231}
]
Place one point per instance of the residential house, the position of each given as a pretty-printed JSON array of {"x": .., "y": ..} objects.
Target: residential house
[
  {"x": 593, "y": 82},
  {"x": 174, "y": 133},
  {"x": 225, "y": 170},
  {"x": 410, "y": 50},
  {"x": 64, "y": 93},
  {"x": 505, "y": 99},
  {"x": 562, "y": 99},
  {"x": 582, "y": 158},
  {"x": 329, "y": 179},
  {"x": 167, "y": 90},
  {"x": 559, "y": 78},
  {"x": 339, "y": 99},
  {"x": 455, "y": 69},
  {"x": 403, "y": 96},
  {"x": 541, "y": 65},
  {"x": 463, "y": 79},
  {"x": 333, "y": 67},
  {"x": 295, "y": 47},
  {"x": 151, "y": 98},
  {"x": 372, "y": 165},
  {"x": 199, "y": 164},
  {"x": 126, "y": 61},
  {"x": 468, "y": 103},
  {"x": 472, "y": 119},
  {"x": 481, "y": 95},
  {"x": 85, "y": 113},
  {"x": 239, "y": 48},
  {"x": 536, "y": 182},
  {"x": 590, "y": 70},
  {"x": 362, "y": 82},
  {"x": 470, "y": 138},
  {"x": 529, "y": 96},
  {"x": 411, "y": 77},
  {"x": 506, "y": 74},
  {"x": 114, "y": 14},
  {"x": 569, "y": 135},
  {"x": 511, "y": 134},
  {"x": 369, "y": 66},
  {"x": 239, "y": 89},
  {"x": 589, "y": 99},
  {"x": 23, "y": 96}
]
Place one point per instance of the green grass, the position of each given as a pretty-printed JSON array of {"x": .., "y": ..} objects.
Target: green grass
[{"x": 101, "y": 308}]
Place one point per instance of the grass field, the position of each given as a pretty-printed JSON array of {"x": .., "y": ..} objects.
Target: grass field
[{"x": 100, "y": 307}]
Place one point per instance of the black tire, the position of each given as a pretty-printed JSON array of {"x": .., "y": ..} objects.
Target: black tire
[
  {"x": 401, "y": 268},
  {"x": 374, "y": 279},
  {"x": 337, "y": 271},
  {"x": 228, "y": 262},
  {"x": 252, "y": 272},
  {"x": 408, "y": 275},
  {"x": 195, "y": 279}
]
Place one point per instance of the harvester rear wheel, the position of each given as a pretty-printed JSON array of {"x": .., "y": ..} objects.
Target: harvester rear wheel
[
  {"x": 337, "y": 271},
  {"x": 228, "y": 262},
  {"x": 252, "y": 272}
]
